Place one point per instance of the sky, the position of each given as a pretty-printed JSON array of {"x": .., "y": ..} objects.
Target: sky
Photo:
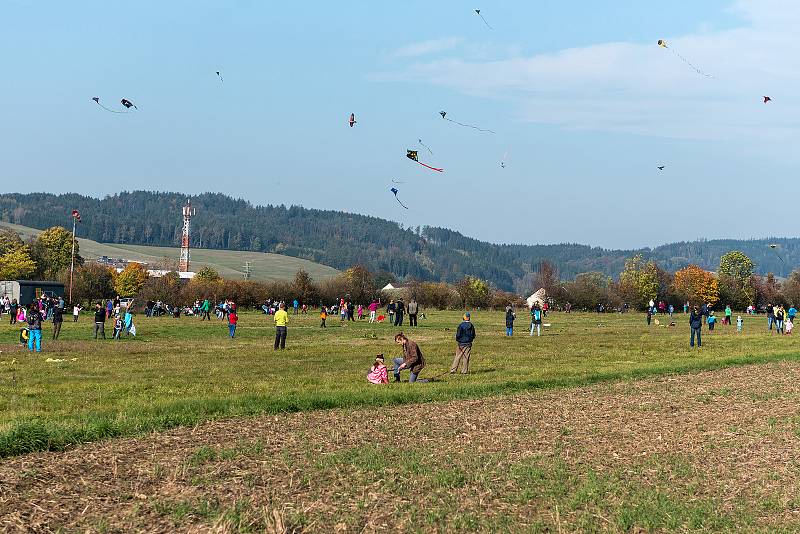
[{"x": 584, "y": 104}]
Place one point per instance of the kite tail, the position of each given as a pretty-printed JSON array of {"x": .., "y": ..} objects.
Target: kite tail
[
  {"x": 431, "y": 168},
  {"x": 698, "y": 71},
  {"x": 398, "y": 201},
  {"x": 484, "y": 21}
]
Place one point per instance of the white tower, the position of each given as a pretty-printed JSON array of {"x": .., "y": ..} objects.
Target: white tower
[{"x": 188, "y": 213}]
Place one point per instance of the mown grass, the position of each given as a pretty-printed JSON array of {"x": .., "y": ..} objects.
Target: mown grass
[{"x": 182, "y": 372}]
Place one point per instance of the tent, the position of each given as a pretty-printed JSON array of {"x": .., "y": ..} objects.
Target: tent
[{"x": 537, "y": 298}]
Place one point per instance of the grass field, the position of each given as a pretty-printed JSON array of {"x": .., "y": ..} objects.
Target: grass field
[
  {"x": 181, "y": 372},
  {"x": 229, "y": 263}
]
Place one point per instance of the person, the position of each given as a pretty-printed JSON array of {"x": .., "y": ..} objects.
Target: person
[
  {"x": 99, "y": 321},
  {"x": 671, "y": 311},
  {"x": 109, "y": 308},
  {"x": 76, "y": 310},
  {"x": 127, "y": 321},
  {"x": 412, "y": 359},
  {"x": 378, "y": 374},
  {"x": 791, "y": 312},
  {"x": 711, "y": 321},
  {"x": 686, "y": 307},
  {"x": 649, "y": 315},
  {"x": 536, "y": 320},
  {"x": 510, "y": 316},
  {"x": 728, "y": 314},
  {"x": 58, "y": 320},
  {"x": 739, "y": 324},
  {"x": 34, "y": 320},
  {"x": 323, "y": 314},
  {"x": 465, "y": 335},
  {"x": 568, "y": 307},
  {"x": 351, "y": 311},
  {"x": 399, "y": 311},
  {"x": 390, "y": 311},
  {"x": 413, "y": 309},
  {"x": 281, "y": 320},
  {"x": 295, "y": 305},
  {"x": 373, "y": 309},
  {"x": 205, "y": 310},
  {"x": 342, "y": 312},
  {"x": 695, "y": 323},
  {"x": 704, "y": 311},
  {"x": 233, "y": 318},
  {"x": 360, "y": 311},
  {"x": 789, "y": 326},
  {"x": 14, "y": 309},
  {"x": 117, "y": 328},
  {"x": 779, "y": 315},
  {"x": 770, "y": 316}
]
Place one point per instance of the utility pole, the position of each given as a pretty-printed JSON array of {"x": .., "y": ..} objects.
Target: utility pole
[
  {"x": 76, "y": 216},
  {"x": 247, "y": 270}
]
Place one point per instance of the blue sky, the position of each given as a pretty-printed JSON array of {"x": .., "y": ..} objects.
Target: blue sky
[{"x": 579, "y": 94}]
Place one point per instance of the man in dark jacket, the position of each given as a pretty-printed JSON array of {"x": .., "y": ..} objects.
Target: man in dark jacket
[
  {"x": 400, "y": 309},
  {"x": 34, "y": 319},
  {"x": 412, "y": 359},
  {"x": 465, "y": 335},
  {"x": 58, "y": 320},
  {"x": 99, "y": 321},
  {"x": 696, "y": 324}
]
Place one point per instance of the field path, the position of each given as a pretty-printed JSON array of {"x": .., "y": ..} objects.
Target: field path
[{"x": 715, "y": 450}]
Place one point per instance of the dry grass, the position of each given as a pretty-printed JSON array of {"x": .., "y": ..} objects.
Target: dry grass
[{"x": 712, "y": 451}]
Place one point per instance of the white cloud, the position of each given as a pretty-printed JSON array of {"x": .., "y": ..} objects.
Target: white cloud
[
  {"x": 643, "y": 89},
  {"x": 425, "y": 48}
]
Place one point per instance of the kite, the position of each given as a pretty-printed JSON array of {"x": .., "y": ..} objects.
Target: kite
[
  {"x": 774, "y": 246},
  {"x": 444, "y": 116},
  {"x": 426, "y": 146},
  {"x": 412, "y": 155},
  {"x": 220, "y": 77},
  {"x": 478, "y": 11},
  {"x": 395, "y": 191},
  {"x": 128, "y": 104},
  {"x": 663, "y": 44},
  {"x": 767, "y": 99},
  {"x": 352, "y": 119},
  {"x": 97, "y": 101},
  {"x": 661, "y": 168},
  {"x": 76, "y": 215},
  {"x": 503, "y": 161}
]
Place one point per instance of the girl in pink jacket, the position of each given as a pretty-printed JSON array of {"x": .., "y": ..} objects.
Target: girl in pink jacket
[{"x": 378, "y": 373}]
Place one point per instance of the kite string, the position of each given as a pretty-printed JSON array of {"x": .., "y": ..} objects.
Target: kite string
[
  {"x": 468, "y": 125},
  {"x": 698, "y": 71},
  {"x": 111, "y": 110}
]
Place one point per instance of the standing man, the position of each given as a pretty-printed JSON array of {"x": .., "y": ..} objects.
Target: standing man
[
  {"x": 399, "y": 311},
  {"x": 465, "y": 335},
  {"x": 770, "y": 316},
  {"x": 99, "y": 321},
  {"x": 34, "y": 319},
  {"x": 58, "y": 318},
  {"x": 281, "y": 320},
  {"x": 14, "y": 311},
  {"x": 295, "y": 305},
  {"x": 413, "y": 308},
  {"x": 696, "y": 324},
  {"x": 205, "y": 310}
]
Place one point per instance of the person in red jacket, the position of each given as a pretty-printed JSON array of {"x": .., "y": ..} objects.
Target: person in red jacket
[{"x": 233, "y": 319}]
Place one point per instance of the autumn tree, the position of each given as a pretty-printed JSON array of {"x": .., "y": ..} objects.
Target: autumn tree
[
  {"x": 129, "y": 282},
  {"x": 92, "y": 281},
  {"x": 52, "y": 251},
  {"x": 547, "y": 277},
  {"x": 639, "y": 282},
  {"x": 359, "y": 284},
  {"x": 303, "y": 287},
  {"x": 735, "y": 276},
  {"x": 588, "y": 290},
  {"x": 17, "y": 264},
  {"x": 696, "y": 285},
  {"x": 207, "y": 274}
]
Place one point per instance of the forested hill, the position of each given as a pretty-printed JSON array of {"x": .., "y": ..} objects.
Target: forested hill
[{"x": 341, "y": 239}]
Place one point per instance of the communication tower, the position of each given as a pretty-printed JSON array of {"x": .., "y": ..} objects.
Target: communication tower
[{"x": 188, "y": 213}]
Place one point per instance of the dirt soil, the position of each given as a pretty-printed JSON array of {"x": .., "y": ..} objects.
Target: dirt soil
[{"x": 722, "y": 444}]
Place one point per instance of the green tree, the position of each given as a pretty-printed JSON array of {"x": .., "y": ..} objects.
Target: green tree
[
  {"x": 129, "y": 282},
  {"x": 639, "y": 282},
  {"x": 735, "y": 279},
  {"x": 9, "y": 240},
  {"x": 16, "y": 264},
  {"x": 52, "y": 251},
  {"x": 207, "y": 274},
  {"x": 360, "y": 284},
  {"x": 92, "y": 282},
  {"x": 303, "y": 287}
]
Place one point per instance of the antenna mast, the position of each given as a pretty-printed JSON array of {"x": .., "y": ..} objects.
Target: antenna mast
[{"x": 188, "y": 213}]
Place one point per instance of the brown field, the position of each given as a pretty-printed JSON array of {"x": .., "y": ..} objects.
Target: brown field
[{"x": 712, "y": 451}]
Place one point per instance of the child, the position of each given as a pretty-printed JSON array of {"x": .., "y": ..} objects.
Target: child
[
  {"x": 76, "y": 310},
  {"x": 711, "y": 321},
  {"x": 233, "y": 318},
  {"x": 739, "y": 324},
  {"x": 117, "y": 327},
  {"x": 789, "y": 326},
  {"x": 378, "y": 374},
  {"x": 323, "y": 314},
  {"x": 510, "y": 316}
]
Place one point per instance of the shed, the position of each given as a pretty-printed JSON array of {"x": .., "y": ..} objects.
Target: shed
[{"x": 26, "y": 291}]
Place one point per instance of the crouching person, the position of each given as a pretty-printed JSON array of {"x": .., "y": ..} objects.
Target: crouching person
[{"x": 412, "y": 359}]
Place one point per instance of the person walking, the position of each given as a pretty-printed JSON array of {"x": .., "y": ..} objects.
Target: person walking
[
  {"x": 233, "y": 318},
  {"x": 99, "y": 321},
  {"x": 399, "y": 311},
  {"x": 373, "y": 310},
  {"x": 281, "y": 320},
  {"x": 295, "y": 305},
  {"x": 465, "y": 335},
  {"x": 412, "y": 359},
  {"x": 791, "y": 312},
  {"x": 779, "y": 315},
  {"x": 58, "y": 320},
  {"x": 510, "y": 316},
  {"x": 413, "y": 308},
  {"x": 205, "y": 310},
  {"x": 696, "y": 324},
  {"x": 671, "y": 311}
]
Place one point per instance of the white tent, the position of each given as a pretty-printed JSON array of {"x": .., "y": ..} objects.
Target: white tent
[
  {"x": 388, "y": 287},
  {"x": 537, "y": 298}
]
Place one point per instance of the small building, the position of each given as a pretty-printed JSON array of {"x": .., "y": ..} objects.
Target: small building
[{"x": 26, "y": 291}]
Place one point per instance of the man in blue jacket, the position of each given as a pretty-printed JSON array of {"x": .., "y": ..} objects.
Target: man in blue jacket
[{"x": 465, "y": 335}]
